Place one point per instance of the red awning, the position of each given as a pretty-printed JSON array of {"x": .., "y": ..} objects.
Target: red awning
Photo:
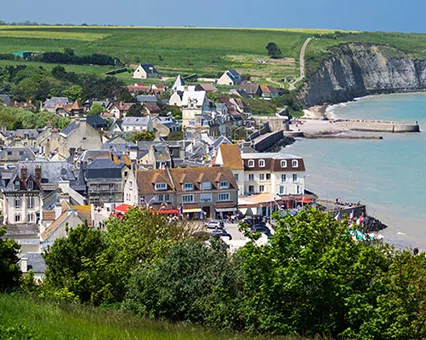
[
  {"x": 305, "y": 200},
  {"x": 167, "y": 212},
  {"x": 123, "y": 208}
]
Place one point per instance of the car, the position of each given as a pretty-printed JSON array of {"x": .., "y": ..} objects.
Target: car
[
  {"x": 253, "y": 220},
  {"x": 260, "y": 228},
  {"x": 221, "y": 233},
  {"x": 215, "y": 224}
]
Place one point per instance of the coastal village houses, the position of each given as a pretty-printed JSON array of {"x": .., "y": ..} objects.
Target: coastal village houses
[{"x": 197, "y": 192}]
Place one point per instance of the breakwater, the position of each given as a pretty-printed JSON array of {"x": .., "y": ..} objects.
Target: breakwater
[{"x": 377, "y": 126}]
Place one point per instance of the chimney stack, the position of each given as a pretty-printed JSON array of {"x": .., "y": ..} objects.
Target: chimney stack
[
  {"x": 38, "y": 174},
  {"x": 24, "y": 173},
  {"x": 24, "y": 264}
]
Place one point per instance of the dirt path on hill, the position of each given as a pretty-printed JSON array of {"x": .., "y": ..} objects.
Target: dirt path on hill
[{"x": 302, "y": 64}]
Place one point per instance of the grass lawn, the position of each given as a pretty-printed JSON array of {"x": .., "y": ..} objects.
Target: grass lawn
[{"x": 51, "y": 320}]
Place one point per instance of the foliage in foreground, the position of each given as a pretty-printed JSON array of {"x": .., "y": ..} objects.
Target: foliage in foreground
[{"x": 9, "y": 270}]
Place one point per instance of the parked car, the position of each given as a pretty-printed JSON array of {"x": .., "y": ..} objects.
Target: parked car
[
  {"x": 215, "y": 224},
  {"x": 221, "y": 233},
  {"x": 253, "y": 220},
  {"x": 261, "y": 228}
]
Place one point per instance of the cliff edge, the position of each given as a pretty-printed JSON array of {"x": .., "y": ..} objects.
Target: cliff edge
[{"x": 356, "y": 70}]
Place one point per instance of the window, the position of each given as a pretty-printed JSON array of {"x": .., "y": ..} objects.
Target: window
[
  {"x": 30, "y": 202},
  {"x": 21, "y": 153},
  {"x": 187, "y": 198},
  {"x": 298, "y": 191},
  {"x": 261, "y": 163},
  {"x": 236, "y": 177},
  {"x": 282, "y": 190},
  {"x": 294, "y": 177},
  {"x": 206, "y": 185},
  {"x": 30, "y": 185},
  {"x": 17, "y": 218},
  {"x": 283, "y": 164},
  {"x": 160, "y": 186},
  {"x": 261, "y": 188},
  {"x": 224, "y": 196},
  {"x": 224, "y": 185},
  {"x": 30, "y": 218},
  {"x": 262, "y": 177},
  {"x": 268, "y": 176},
  {"x": 251, "y": 189},
  {"x": 283, "y": 178},
  {"x": 294, "y": 163},
  {"x": 17, "y": 185},
  {"x": 17, "y": 202},
  {"x": 251, "y": 177},
  {"x": 163, "y": 198},
  {"x": 9, "y": 153},
  {"x": 188, "y": 186},
  {"x": 206, "y": 198},
  {"x": 251, "y": 163}
]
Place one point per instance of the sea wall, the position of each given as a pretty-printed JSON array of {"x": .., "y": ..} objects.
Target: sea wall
[
  {"x": 378, "y": 126},
  {"x": 356, "y": 70}
]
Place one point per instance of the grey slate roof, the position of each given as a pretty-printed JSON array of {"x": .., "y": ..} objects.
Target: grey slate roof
[
  {"x": 5, "y": 99},
  {"x": 35, "y": 262},
  {"x": 149, "y": 68},
  {"x": 70, "y": 128},
  {"x": 96, "y": 122},
  {"x": 51, "y": 171},
  {"x": 146, "y": 98},
  {"x": 22, "y": 230},
  {"x": 53, "y": 102},
  {"x": 104, "y": 169},
  {"x": 135, "y": 121}
]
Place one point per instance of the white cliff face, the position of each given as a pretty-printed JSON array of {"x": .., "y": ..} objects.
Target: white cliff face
[{"x": 356, "y": 70}]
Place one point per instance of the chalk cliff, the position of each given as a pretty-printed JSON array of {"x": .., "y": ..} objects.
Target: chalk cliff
[{"x": 355, "y": 70}]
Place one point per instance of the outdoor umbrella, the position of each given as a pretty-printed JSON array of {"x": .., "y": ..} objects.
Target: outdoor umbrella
[{"x": 305, "y": 200}]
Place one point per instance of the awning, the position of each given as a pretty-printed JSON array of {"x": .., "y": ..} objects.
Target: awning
[
  {"x": 123, "y": 208},
  {"x": 167, "y": 211},
  {"x": 225, "y": 209},
  {"x": 191, "y": 210}
]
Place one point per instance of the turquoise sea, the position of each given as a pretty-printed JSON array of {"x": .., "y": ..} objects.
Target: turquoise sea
[{"x": 388, "y": 175}]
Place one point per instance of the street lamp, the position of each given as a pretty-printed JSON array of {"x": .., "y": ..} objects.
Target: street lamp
[{"x": 147, "y": 204}]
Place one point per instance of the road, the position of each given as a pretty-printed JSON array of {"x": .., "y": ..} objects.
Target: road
[{"x": 302, "y": 65}]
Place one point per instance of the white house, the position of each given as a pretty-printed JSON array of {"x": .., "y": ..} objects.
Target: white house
[
  {"x": 230, "y": 77},
  {"x": 194, "y": 104},
  {"x": 145, "y": 71},
  {"x": 134, "y": 124}
]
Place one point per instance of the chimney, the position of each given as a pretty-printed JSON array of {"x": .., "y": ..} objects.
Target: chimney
[
  {"x": 58, "y": 210},
  {"x": 38, "y": 174},
  {"x": 24, "y": 173},
  {"x": 24, "y": 264}
]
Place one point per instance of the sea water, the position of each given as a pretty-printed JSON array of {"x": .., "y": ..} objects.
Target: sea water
[{"x": 388, "y": 175}]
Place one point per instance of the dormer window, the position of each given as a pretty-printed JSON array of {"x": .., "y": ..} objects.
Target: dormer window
[
  {"x": 251, "y": 163},
  {"x": 17, "y": 185},
  {"x": 206, "y": 185},
  {"x": 294, "y": 164},
  {"x": 224, "y": 185},
  {"x": 30, "y": 185},
  {"x": 283, "y": 164},
  {"x": 160, "y": 186},
  {"x": 261, "y": 163},
  {"x": 188, "y": 186}
]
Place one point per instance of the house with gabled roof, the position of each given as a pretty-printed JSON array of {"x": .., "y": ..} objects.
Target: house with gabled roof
[
  {"x": 229, "y": 156},
  {"x": 197, "y": 192},
  {"x": 144, "y": 71},
  {"x": 269, "y": 91},
  {"x": 53, "y": 103},
  {"x": 230, "y": 77}
]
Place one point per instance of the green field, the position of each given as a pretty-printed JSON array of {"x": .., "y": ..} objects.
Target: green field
[
  {"x": 204, "y": 51},
  {"x": 53, "y": 320}
]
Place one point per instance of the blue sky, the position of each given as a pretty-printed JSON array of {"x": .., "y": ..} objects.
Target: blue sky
[{"x": 370, "y": 15}]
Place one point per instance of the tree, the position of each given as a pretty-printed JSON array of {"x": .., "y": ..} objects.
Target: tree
[
  {"x": 135, "y": 110},
  {"x": 71, "y": 264},
  {"x": 194, "y": 282},
  {"x": 74, "y": 92},
  {"x": 273, "y": 50},
  {"x": 312, "y": 275},
  {"x": 95, "y": 110},
  {"x": 143, "y": 135},
  {"x": 25, "y": 89},
  {"x": 125, "y": 96},
  {"x": 9, "y": 270}
]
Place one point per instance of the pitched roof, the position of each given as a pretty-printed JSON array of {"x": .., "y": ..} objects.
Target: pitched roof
[
  {"x": 231, "y": 156},
  {"x": 146, "y": 98},
  {"x": 53, "y": 102},
  {"x": 269, "y": 89},
  {"x": 76, "y": 106},
  {"x": 178, "y": 82},
  {"x": 197, "y": 97},
  {"x": 138, "y": 121},
  {"x": 96, "y": 121},
  {"x": 250, "y": 88},
  {"x": 148, "y": 68},
  {"x": 146, "y": 179},
  {"x": 206, "y": 87}
]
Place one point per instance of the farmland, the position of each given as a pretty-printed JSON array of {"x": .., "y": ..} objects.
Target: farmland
[{"x": 204, "y": 51}]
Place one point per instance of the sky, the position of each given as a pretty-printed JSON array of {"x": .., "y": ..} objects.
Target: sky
[{"x": 367, "y": 15}]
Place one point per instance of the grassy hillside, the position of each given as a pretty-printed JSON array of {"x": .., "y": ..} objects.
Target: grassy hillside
[
  {"x": 47, "y": 320},
  {"x": 205, "y": 51}
]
